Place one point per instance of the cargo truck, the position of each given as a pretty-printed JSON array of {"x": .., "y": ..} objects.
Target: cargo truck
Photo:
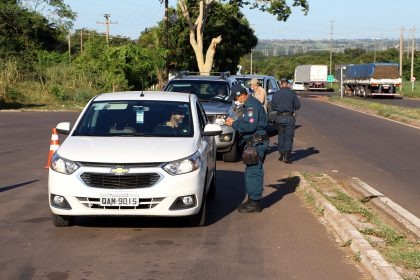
[
  {"x": 371, "y": 79},
  {"x": 313, "y": 77}
]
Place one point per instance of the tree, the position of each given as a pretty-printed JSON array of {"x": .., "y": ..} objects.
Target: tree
[
  {"x": 59, "y": 13},
  {"x": 196, "y": 13},
  {"x": 224, "y": 20}
]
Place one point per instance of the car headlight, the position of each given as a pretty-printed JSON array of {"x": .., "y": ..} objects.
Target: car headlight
[
  {"x": 63, "y": 165},
  {"x": 183, "y": 166}
]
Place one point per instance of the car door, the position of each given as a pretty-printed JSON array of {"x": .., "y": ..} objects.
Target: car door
[
  {"x": 207, "y": 143},
  {"x": 272, "y": 87}
]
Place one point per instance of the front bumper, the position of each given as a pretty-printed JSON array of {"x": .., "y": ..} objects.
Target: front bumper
[{"x": 154, "y": 200}]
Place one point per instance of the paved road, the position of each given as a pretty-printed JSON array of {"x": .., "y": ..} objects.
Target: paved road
[
  {"x": 384, "y": 154},
  {"x": 285, "y": 241}
]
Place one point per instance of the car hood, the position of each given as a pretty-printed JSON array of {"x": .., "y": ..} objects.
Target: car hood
[
  {"x": 126, "y": 149},
  {"x": 213, "y": 108}
]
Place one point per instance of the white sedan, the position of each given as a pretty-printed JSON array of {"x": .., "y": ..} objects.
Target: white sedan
[
  {"x": 135, "y": 154},
  {"x": 298, "y": 86}
]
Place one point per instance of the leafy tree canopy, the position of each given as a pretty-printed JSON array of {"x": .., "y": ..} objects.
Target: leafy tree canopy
[{"x": 279, "y": 8}]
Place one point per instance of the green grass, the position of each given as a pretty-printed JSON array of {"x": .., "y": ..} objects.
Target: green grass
[
  {"x": 407, "y": 92},
  {"x": 396, "y": 248}
]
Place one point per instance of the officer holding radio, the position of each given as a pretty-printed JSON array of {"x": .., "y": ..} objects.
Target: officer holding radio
[{"x": 252, "y": 125}]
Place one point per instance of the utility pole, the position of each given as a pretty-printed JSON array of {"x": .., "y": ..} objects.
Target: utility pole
[
  {"x": 251, "y": 62},
  {"x": 412, "y": 60},
  {"x": 69, "y": 44},
  {"x": 166, "y": 38},
  {"x": 374, "y": 50},
  {"x": 81, "y": 40},
  {"x": 107, "y": 23},
  {"x": 331, "y": 34},
  {"x": 401, "y": 54}
]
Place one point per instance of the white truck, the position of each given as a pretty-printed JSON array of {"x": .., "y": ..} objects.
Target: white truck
[
  {"x": 371, "y": 79},
  {"x": 313, "y": 77}
]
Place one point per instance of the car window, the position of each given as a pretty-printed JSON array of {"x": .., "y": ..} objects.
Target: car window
[
  {"x": 136, "y": 118},
  {"x": 202, "y": 118},
  {"x": 204, "y": 89},
  {"x": 272, "y": 84}
]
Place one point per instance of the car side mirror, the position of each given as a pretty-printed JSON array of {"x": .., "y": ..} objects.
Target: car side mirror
[
  {"x": 212, "y": 129},
  {"x": 63, "y": 128}
]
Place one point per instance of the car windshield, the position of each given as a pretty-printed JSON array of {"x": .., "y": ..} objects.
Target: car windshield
[
  {"x": 135, "y": 118},
  {"x": 245, "y": 82},
  {"x": 205, "y": 90}
]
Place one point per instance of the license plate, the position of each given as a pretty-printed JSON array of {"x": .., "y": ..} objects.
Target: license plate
[{"x": 119, "y": 200}]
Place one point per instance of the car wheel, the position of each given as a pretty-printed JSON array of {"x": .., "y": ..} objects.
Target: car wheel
[
  {"x": 212, "y": 190},
  {"x": 232, "y": 155},
  {"x": 199, "y": 219},
  {"x": 62, "y": 221}
]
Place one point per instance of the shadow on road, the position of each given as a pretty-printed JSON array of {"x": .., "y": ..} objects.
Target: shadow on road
[
  {"x": 283, "y": 188},
  {"x": 297, "y": 154},
  {"x": 8, "y": 188},
  {"x": 300, "y": 154}
]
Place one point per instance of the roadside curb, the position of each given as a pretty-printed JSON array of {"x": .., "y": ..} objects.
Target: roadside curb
[
  {"x": 402, "y": 216},
  {"x": 369, "y": 257}
]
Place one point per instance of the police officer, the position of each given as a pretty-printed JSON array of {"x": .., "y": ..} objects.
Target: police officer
[
  {"x": 252, "y": 125},
  {"x": 285, "y": 101}
]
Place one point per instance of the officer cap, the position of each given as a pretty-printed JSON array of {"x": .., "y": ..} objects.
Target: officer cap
[
  {"x": 254, "y": 81},
  {"x": 237, "y": 90},
  {"x": 284, "y": 80}
]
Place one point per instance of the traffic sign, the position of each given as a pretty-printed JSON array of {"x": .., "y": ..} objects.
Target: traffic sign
[{"x": 330, "y": 78}]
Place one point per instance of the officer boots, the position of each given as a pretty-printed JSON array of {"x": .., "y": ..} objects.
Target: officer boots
[
  {"x": 287, "y": 157},
  {"x": 281, "y": 157},
  {"x": 250, "y": 206}
]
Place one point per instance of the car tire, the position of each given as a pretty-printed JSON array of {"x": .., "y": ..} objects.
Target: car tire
[
  {"x": 232, "y": 155},
  {"x": 62, "y": 221},
  {"x": 212, "y": 189},
  {"x": 199, "y": 219}
]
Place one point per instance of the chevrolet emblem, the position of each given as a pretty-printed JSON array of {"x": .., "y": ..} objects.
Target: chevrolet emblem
[{"x": 119, "y": 170}]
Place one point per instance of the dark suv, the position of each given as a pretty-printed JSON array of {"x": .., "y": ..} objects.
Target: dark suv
[{"x": 213, "y": 92}]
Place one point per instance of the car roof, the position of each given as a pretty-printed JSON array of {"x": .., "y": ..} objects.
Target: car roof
[
  {"x": 204, "y": 78},
  {"x": 250, "y": 76},
  {"x": 147, "y": 95}
]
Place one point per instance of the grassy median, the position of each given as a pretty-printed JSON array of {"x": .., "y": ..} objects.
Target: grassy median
[{"x": 398, "y": 249}]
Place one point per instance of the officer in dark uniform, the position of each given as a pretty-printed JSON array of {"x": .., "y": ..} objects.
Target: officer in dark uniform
[
  {"x": 285, "y": 101},
  {"x": 252, "y": 125}
]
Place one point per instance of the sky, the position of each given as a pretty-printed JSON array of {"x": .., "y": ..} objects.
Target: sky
[{"x": 349, "y": 19}]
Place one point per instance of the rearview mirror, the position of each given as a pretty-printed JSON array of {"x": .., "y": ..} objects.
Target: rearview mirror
[
  {"x": 212, "y": 129},
  {"x": 63, "y": 128}
]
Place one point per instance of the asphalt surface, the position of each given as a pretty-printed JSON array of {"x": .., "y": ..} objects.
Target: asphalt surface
[
  {"x": 285, "y": 241},
  {"x": 382, "y": 153}
]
